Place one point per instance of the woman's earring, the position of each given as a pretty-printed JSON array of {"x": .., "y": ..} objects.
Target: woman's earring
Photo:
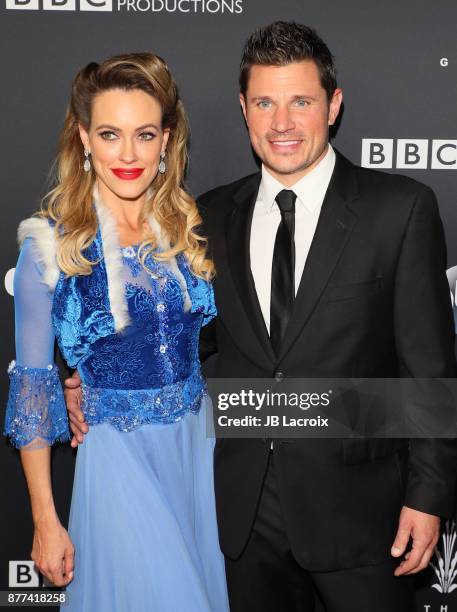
[
  {"x": 162, "y": 165},
  {"x": 86, "y": 165}
]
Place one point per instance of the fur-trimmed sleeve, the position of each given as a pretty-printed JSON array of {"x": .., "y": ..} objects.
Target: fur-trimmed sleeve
[{"x": 43, "y": 235}]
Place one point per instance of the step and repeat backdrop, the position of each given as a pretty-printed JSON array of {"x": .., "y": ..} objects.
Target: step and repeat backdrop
[{"x": 397, "y": 65}]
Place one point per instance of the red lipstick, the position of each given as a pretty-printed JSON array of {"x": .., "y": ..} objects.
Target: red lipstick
[{"x": 127, "y": 174}]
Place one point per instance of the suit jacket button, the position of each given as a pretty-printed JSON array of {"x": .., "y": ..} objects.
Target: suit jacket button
[{"x": 279, "y": 376}]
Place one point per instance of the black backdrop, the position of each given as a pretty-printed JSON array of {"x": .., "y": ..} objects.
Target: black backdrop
[{"x": 397, "y": 65}]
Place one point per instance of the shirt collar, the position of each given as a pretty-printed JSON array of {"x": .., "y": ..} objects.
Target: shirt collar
[{"x": 310, "y": 189}]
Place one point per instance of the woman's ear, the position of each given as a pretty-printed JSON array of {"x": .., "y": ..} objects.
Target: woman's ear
[
  {"x": 84, "y": 135},
  {"x": 166, "y": 136}
]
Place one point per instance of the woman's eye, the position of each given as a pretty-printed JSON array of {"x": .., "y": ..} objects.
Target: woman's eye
[
  {"x": 146, "y": 136},
  {"x": 108, "y": 135}
]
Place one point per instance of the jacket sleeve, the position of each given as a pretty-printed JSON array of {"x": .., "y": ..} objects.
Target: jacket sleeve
[
  {"x": 208, "y": 338},
  {"x": 36, "y": 415},
  {"x": 424, "y": 335}
]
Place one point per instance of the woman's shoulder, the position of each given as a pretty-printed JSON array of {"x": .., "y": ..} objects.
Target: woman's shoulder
[
  {"x": 39, "y": 228},
  {"x": 39, "y": 235}
]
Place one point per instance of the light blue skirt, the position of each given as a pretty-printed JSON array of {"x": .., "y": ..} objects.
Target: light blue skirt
[{"x": 143, "y": 521}]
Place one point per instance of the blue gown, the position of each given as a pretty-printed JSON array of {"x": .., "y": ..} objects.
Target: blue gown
[{"x": 142, "y": 515}]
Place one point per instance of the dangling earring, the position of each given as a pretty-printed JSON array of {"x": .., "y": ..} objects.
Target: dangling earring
[
  {"x": 162, "y": 165},
  {"x": 86, "y": 164}
]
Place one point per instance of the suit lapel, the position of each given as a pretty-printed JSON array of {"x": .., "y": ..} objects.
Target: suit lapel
[
  {"x": 336, "y": 222},
  {"x": 238, "y": 231}
]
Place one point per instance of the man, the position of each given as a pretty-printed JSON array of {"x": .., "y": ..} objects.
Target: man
[{"x": 324, "y": 269}]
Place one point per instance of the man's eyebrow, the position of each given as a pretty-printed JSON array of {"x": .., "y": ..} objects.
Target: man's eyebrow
[
  {"x": 293, "y": 97},
  {"x": 257, "y": 98},
  {"x": 303, "y": 97}
]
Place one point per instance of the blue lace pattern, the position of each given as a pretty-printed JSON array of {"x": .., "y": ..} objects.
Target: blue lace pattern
[
  {"x": 36, "y": 415},
  {"x": 127, "y": 409},
  {"x": 148, "y": 372},
  {"x": 129, "y": 256},
  {"x": 81, "y": 312}
]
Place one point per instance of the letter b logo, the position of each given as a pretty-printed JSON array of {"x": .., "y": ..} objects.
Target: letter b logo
[
  {"x": 59, "y": 5},
  {"x": 412, "y": 153},
  {"x": 23, "y": 574},
  {"x": 377, "y": 153},
  {"x": 24, "y": 5}
]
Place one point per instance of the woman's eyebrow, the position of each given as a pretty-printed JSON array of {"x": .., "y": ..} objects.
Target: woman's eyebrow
[{"x": 113, "y": 127}]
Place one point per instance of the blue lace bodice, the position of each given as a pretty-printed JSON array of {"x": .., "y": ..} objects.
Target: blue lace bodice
[{"x": 136, "y": 350}]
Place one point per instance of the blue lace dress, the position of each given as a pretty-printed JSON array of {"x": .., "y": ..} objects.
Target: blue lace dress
[{"x": 142, "y": 513}]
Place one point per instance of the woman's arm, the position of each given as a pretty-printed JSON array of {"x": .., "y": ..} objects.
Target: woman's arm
[
  {"x": 52, "y": 549},
  {"x": 36, "y": 415}
]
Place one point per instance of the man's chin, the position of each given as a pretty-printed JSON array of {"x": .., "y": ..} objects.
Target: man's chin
[{"x": 286, "y": 169}]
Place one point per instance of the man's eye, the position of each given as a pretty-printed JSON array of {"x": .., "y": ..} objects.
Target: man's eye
[
  {"x": 264, "y": 104},
  {"x": 107, "y": 135},
  {"x": 146, "y": 136},
  {"x": 302, "y": 103}
]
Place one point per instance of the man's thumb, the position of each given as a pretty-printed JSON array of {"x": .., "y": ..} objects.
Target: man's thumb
[{"x": 401, "y": 541}]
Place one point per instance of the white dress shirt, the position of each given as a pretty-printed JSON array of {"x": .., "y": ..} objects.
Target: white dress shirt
[{"x": 310, "y": 190}]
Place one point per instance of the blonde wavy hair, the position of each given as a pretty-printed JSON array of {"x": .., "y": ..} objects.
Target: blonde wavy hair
[{"x": 70, "y": 203}]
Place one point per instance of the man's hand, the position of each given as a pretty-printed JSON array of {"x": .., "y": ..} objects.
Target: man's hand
[
  {"x": 424, "y": 529},
  {"x": 78, "y": 425}
]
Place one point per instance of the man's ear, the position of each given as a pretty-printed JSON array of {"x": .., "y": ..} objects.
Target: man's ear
[
  {"x": 335, "y": 105},
  {"x": 243, "y": 106},
  {"x": 84, "y": 135}
]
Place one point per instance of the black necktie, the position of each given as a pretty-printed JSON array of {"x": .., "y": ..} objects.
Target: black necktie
[{"x": 283, "y": 269}]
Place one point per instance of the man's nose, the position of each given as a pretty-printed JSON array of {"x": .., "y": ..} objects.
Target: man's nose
[{"x": 282, "y": 119}]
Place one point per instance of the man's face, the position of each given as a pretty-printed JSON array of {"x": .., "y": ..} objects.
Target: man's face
[{"x": 288, "y": 116}]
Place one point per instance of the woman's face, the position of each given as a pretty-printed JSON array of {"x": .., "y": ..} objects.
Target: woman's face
[{"x": 125, "y": 140}]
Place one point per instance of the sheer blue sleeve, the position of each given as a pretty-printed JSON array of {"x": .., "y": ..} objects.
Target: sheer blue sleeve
[{"x": 36, "y": 414}]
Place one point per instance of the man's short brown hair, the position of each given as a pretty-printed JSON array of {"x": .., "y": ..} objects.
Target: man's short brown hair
[{"x": 286, "y": 42}]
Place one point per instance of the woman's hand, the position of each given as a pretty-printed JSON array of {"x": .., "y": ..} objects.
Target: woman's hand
[{"x": 53, "y": 551}]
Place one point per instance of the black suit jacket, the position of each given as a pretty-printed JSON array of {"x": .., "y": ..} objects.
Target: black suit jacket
[{"x": 373, "y": 301}]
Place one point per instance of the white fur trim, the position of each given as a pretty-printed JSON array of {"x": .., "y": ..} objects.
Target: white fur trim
[
  {"x": 164, "y": 245},
  {"x": 43, "y": 235},
  {"x": 113, "y": 264}
]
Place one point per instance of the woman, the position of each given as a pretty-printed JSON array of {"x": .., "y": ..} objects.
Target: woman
[{"x": 113, "y": 268}]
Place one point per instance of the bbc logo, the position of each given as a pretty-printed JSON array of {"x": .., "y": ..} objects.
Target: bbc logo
[
  {"x": 414, "y": 154},
  {"x": 60, "y": 5}
]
